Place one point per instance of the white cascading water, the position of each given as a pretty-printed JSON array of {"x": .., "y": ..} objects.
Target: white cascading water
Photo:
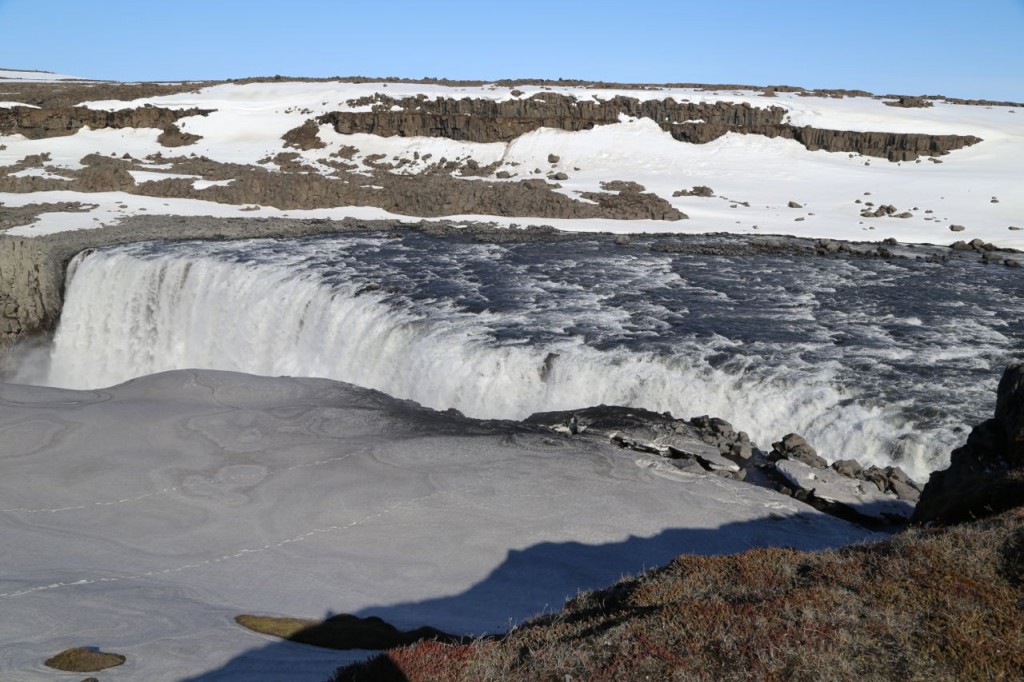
[{"x": 126, "y": 316}]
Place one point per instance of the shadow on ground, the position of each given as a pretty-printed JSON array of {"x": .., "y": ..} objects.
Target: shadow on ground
[{"x": 538, "y": 579}]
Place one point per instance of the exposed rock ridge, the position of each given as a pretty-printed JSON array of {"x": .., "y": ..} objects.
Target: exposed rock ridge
[
  {"x": 873, "y": 497},
  {"x": 479, "y": 120},
  {"x": 430, "y": 194},
  {"x": 42, "y": 123}
]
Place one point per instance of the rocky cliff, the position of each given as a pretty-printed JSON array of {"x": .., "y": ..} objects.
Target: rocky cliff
[
  {"x": 476, "y": 120},
  {"x": 41, "y": 123},
  {"x": 31, "y": 284},
  {"x": 479, "y": 120},
  {"x": 986, "y": 475}
]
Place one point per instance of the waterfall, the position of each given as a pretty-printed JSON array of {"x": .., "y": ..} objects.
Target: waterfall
[{"x": 128, "y": 314}]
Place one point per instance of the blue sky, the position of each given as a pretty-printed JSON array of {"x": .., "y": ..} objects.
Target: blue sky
[{"x": 964, "y": 49}]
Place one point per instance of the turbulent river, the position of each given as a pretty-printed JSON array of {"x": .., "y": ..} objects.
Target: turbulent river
[{"x": 883, "y": 361}]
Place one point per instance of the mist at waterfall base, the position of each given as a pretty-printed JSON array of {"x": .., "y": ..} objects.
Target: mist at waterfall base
[{"x": 882, "y": 361}]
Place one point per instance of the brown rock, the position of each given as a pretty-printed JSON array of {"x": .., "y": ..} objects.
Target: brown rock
[
  {"x": 622, "y": 186},
  {"x": 304, "y": 137},
  {"x": 697, "y": 191},
  {"x": 492, "y": 121},
  {"x": 847, "y": 467},
  {"x": 793, "y": 446},
  {"x": 42, "y": 123},
  {"x": 84, "y": 660},
  {"x": 172, "y": 136},
  {"x": 907, "y": 102}
]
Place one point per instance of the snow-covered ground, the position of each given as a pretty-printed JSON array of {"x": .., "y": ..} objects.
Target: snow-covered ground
[
  {"x": 249, "y": 120},
  {"x": 143, "y": 518}
]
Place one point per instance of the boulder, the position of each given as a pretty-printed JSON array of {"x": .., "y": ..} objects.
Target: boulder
[
  {"x": 858, "y": 498},
  {"x": 847, "y": 467},
  {"x": 697, "y": 191},
  {"x": 794, "y": 447},
  {"x": 622, "y": 186},
  {"x": 173, "y": 136}
]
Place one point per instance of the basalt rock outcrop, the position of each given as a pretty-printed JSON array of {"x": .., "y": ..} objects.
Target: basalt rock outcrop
[
  {"x": 873, "y": 497},
  {"x": 304, "y": 137},
  {"x": 478, "y": 120},
  {"x": 42, "y": 123},
  {"x": 31, "y": 287},
  {"x": 700, "y": 446},
  {"x": 429, "y": 194},
  {"x": 173, "y": 136},
  {"x": 986, "y": 474}
]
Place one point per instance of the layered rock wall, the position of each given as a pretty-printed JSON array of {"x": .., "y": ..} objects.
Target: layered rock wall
[
  {"x": 476, "y": 120},
  {"x": 31, "y": 283},
  {"x": 41, "y": 123}
]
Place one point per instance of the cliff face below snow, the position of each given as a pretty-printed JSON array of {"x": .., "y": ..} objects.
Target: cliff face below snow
[
  {"x": 477, "y": 120},
  {"x": 37, "y": 123}
]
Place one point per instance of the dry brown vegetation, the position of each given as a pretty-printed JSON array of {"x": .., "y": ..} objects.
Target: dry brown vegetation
[{"x": 927, "y": 604}]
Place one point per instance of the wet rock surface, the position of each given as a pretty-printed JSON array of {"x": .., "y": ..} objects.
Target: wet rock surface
[
  {"x": 873, "y": 496},
  {"x": 986, "y": 474}
]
